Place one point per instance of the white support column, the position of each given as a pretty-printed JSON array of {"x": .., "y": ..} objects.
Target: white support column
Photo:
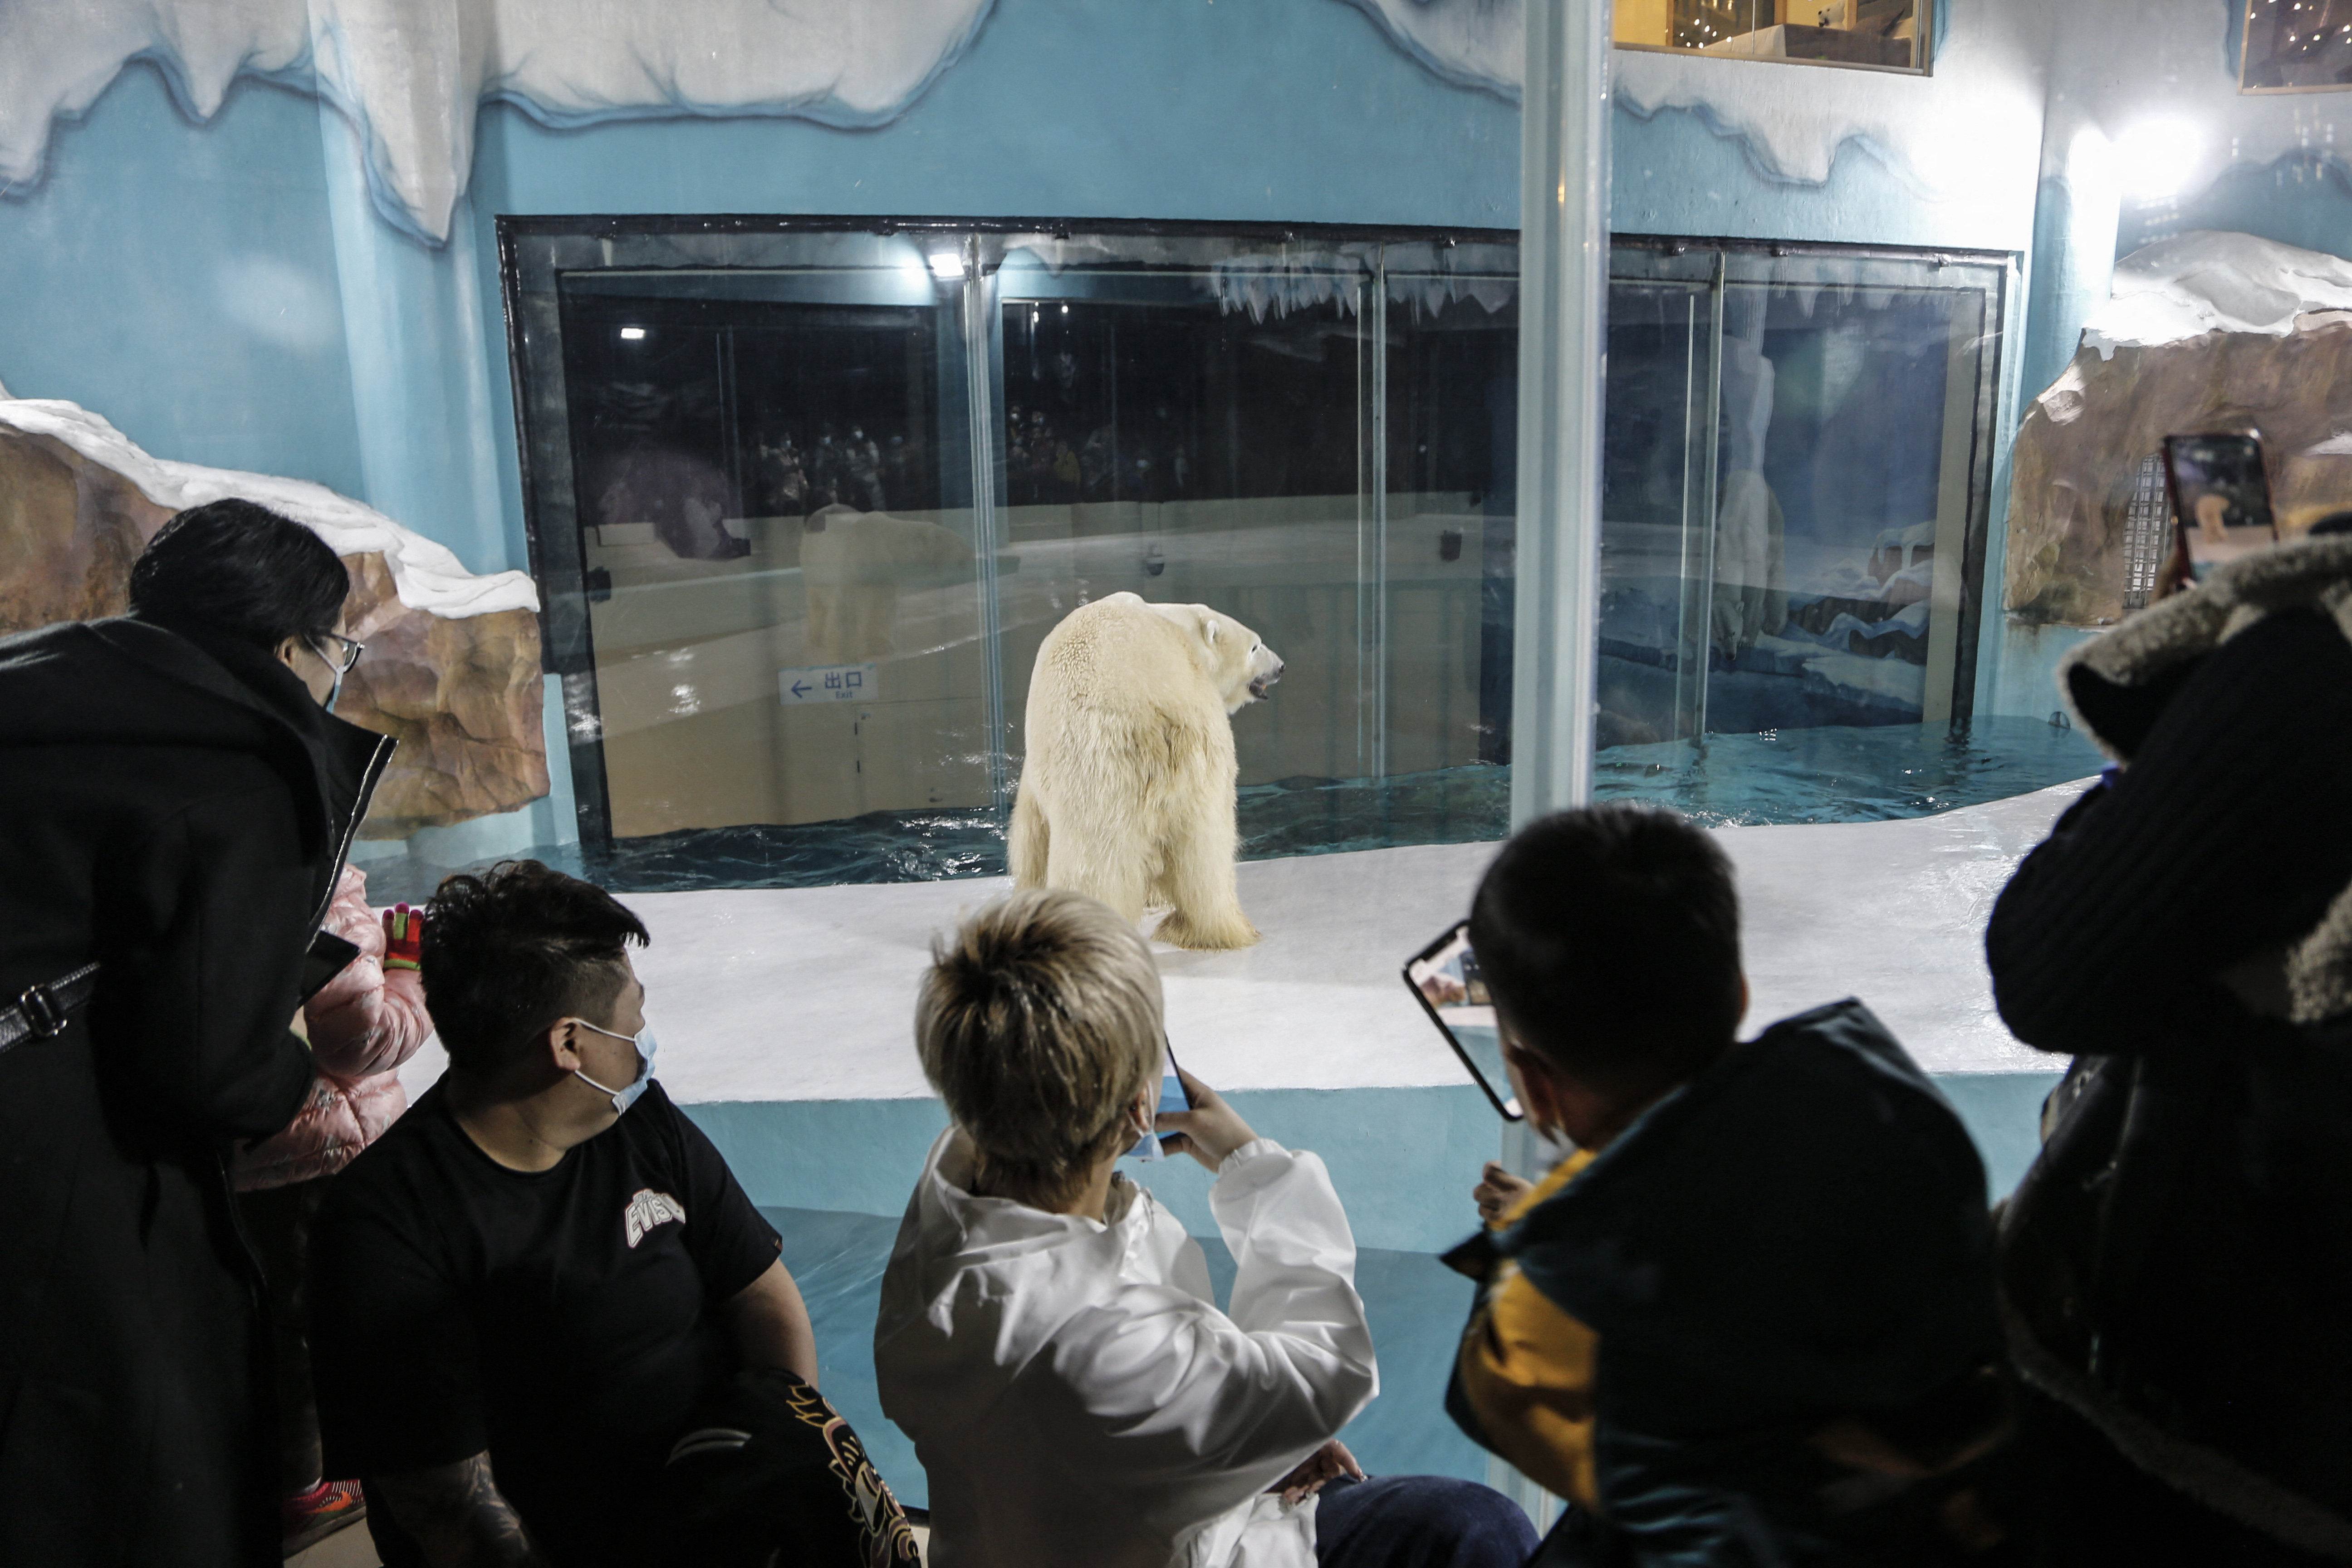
[
  {"x": 1563, "y": 351},
  {"x": 1563, "y": 299}
]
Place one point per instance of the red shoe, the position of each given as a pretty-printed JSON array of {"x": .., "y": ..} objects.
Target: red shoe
[{"x": 320, "y": 1512}]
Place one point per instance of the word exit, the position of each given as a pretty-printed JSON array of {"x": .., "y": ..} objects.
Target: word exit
[{"x": 829, "y": 683}]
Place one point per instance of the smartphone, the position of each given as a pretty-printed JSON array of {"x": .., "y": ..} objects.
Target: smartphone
[
  {"x": 1172, "y": 1097},
  {"x": 1446, "y": 980},
  {"x": 329, "y": 955},
  {"x": 2220, "y": 499}
]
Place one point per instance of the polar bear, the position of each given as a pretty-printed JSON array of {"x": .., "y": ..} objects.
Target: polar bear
[
  {"x": 853, "y": 564},
  {"x": 1128, "y": 794}
]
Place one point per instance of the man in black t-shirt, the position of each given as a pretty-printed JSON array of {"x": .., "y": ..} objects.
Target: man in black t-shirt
[{"x": 531, "y": 1288}]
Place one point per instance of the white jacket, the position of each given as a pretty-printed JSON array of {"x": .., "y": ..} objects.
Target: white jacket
[{"x": 1073, "y": 1392}]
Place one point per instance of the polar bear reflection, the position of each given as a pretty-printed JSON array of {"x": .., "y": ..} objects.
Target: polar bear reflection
[
  {"x": 854, "y": 565},
  {"x": 1128, "y": 794}
]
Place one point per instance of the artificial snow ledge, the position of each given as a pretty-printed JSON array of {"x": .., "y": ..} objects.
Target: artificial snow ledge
[
  {"x": 425, "y": 575},
  {"x": 411, "y": 75},
  {"x": 2213, "y": 280}
]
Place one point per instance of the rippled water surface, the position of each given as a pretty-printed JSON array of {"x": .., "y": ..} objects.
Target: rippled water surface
[{"x": 1829, "y": 774}]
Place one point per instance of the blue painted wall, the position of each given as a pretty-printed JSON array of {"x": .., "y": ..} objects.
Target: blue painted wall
[
  {"x": 1241, "y": 109},
  {"x": 181, "y": 280},
  {"x": 1672, "y": 173},
  {"x": 226, "y": 292},
  {"x": 2304, "y": 198}
]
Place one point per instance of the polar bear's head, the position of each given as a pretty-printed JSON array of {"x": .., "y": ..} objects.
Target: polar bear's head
[{"x": 1239, "y": 663}]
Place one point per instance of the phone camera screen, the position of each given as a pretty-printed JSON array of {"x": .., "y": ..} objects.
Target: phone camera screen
[
  {"x": 2221, "y": 496},
  {"x": 1447, "y": 979}
]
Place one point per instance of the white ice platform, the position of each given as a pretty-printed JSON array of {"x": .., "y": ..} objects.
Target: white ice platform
[{"x": 808, "y": 993}]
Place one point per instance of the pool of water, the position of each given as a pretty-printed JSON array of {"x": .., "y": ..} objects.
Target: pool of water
[
  {"x": 1838, "y": 773},
  {"x": 1833, "y": 774}
]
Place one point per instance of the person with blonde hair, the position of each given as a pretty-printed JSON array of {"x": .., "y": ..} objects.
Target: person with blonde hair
[{"x": 1047, "y": 1335}]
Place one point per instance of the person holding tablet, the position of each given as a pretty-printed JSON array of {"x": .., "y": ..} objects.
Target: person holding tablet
[
  {"x": 1046, "y": 1334},
  {"x": 1751, "y": 1319}
]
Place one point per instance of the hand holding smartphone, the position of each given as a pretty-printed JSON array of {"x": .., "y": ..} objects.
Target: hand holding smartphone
[
  {"x": 2220, "y": 497},
  {"x": 1173, "y": 1098},
  {"x": 1445, "y": 979},
  {"x": 1209, "y": 1132}
]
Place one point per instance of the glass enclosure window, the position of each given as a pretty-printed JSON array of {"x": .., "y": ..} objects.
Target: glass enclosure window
[
  {"x": 1791, "y": 488},
  {"x": 1158, "y": 441},
  {"x": 732, "y": 437},
  {"x": 2297, "y": 46},
  {"x": 806, "y": 498},
  {"x": 1310, "y": 448},
  {"x": 1884, "y": 33}
]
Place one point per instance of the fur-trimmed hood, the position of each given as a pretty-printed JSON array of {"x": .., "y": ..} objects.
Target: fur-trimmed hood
[{"x": 2117, "y": 685}]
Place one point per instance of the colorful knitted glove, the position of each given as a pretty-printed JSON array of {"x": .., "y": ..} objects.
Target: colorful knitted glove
[{"x": 403, "y": 937}]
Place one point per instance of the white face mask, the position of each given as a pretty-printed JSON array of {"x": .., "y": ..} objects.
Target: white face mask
[{"x": 627, "y": 1095}]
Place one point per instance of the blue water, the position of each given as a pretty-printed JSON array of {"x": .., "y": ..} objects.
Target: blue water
[
  {"x": 1841, "y": 773},
  {"x": 1832, "y": 773},
  {"x": 1417, "y": 1306}
]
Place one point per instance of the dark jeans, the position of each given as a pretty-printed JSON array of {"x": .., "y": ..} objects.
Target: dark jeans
[
  {"x": 1420, "y": 1521},
  {"x": 277, "y": 1222}
]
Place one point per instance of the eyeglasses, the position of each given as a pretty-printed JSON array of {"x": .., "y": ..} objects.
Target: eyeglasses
[{"x": 350, "y": 652}]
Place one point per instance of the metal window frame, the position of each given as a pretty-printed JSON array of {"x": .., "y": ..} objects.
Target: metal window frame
[
  {"x": 2245, "y": 20},
  {"x": 532, "y": 250}
]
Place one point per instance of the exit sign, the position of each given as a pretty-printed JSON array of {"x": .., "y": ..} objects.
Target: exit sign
[{"x": 829, "y": 683}]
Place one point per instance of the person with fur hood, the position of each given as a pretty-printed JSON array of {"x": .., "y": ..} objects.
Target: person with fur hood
[
  {"x": 362, "y": 1026},
  {"x": 2175, "y": 1269}
]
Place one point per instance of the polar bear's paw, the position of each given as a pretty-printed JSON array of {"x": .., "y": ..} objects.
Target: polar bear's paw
[{"x": 1214, "y": 934}]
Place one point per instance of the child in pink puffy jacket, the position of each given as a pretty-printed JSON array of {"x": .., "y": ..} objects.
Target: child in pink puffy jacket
[{"x": 362, "y": 1024}]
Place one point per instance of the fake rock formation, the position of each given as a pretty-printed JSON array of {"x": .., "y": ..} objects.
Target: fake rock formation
[
  {"x": 2080, "y": 448},
  {"x": 451, "y": 668}
]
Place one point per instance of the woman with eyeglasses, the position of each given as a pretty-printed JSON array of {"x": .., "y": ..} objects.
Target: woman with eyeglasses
[{"x": 177, "y": 802}]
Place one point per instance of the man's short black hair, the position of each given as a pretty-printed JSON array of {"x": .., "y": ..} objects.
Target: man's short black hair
[
  {"x": 508, "y": 953},
  {"x": 239, "y": 570},
  {"x": 1610, "y": 939}
]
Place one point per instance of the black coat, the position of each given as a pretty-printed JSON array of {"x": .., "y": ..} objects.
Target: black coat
[
  {"x": 178, "y": 813},
  {"x": 2177, "y": 1267}
]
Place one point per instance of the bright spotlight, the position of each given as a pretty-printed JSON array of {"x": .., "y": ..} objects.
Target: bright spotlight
[
  {"x": 631, "y": 334},
  {"x": 947, "y": 264},
  {"x": 2155, "y": 157}
]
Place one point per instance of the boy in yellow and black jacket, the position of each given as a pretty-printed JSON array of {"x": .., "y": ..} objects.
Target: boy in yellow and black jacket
[{"x": 1751, "y": 1320}]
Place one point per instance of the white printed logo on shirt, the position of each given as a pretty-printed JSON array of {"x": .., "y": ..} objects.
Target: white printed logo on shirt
[{"x": 648, "y": 1209}]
